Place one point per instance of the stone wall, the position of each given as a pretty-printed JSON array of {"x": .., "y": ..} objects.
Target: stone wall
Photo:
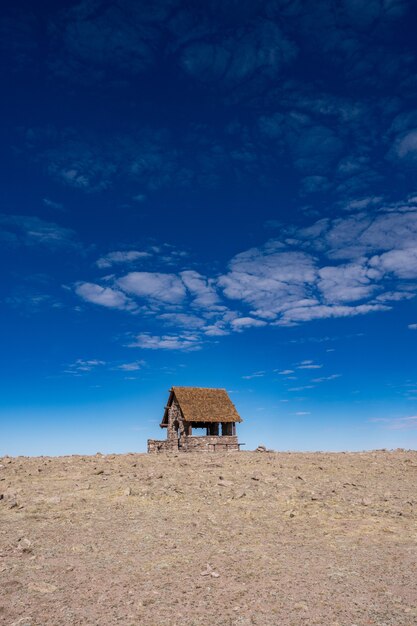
[
  {"x": 162, "y": 445},
  {"x": 209, "y": 443},
  {"x": 175, "y": 422},
  {"x": 195, "y": 444}
]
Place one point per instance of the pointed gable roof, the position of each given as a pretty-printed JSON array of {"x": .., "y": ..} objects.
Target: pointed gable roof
[{"x": 201, "y": 404}]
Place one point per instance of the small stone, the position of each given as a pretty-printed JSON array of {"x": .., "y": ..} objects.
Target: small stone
[
  {"x": 25, "y": 545},
  {"x": 53, "y": 500},
  {"x": 127, "y": 491},
  {"x": 207, "y": 571},
  {"x": 23, "y": 621},
  {"x": 214, "y": 575},
  {"x": 42, "y": 587}
]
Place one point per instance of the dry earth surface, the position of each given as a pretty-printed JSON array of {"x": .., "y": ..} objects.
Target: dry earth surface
[{"x": 209, "y": 539}]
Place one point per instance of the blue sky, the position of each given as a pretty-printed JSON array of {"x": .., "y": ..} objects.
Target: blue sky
[{"x": 218, "y": 194}]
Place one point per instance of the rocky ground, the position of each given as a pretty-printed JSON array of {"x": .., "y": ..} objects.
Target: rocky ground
[{"x": 211, "y": 539}]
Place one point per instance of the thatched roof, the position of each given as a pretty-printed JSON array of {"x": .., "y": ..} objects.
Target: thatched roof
[{"x": 199, "y": 404}]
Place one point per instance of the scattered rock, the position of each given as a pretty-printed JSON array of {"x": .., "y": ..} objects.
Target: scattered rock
[
  {"x": 261, "y": 448},
  {"x": 127, "y": 491},
  {"x": 225, "y": 483},
  {"x": 53, "y": 500},
  {"x": 209, "y": 571},
  {"x": 25, "y": 545},
  {"x": 23, "y": 621},
  {"x": 42, "y": 587}
]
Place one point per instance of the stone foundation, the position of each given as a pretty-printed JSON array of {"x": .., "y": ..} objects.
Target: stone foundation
[
  {"x": 163, "y": 445},
  {"x": 209, "y": 443}
]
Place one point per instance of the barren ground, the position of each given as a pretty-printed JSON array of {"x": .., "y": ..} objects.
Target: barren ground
[{"x": 211, "y": 539}]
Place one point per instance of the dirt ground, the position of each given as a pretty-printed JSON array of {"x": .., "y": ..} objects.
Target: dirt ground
[{"x": 273, "y": 539}]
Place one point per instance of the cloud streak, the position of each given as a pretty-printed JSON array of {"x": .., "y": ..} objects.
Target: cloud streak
[{"x": 358, "y": 264}]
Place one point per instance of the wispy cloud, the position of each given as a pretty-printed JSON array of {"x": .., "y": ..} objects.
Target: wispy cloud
[
  {"x": 254, "y": 375},
  {"x": 153, "y": 286},
  {"x": 32, "y": 231},
  {"x": 240, "y": 323},
  {"x": 185, "y": 342},
  {"x": 324, "y": 379},
  {"x": 308, "y": 365},
  {"x": 82, "y": 366},
  {"x": 281, "y": 283},
  {"x": 52, "y": 204},
  {"x": 104, "y": 296},
  {"x": 120, "y": 257},
  {"x": 134, "y": 366},
  {"x": 397, "y": 423}
]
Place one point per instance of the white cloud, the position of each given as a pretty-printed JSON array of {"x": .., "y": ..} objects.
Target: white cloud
[
  {"x": 241, "y": 323},
  {"x": 401, "y": 263},
  {"x": 161, "y": 288},
  {"x": 395, "y": 296},
  {"x": 82, "y": 366},
  {"x": 365, "y": 234},
  {"x": 185, "y": 320},
  {"x": 302, "y": 388},
  {"x": 305, "y": 314},
  {"x": 268, "y": 279},
  {"x": 353, "y": 265},
  {"x": 186, "y": 342},
  {"x": 286, "y": 372},
  {"x": 254, "y": 375},
  {"x": 412, "y": 326},
  {"x": 326, "y": 378},
  {"x": 308, "y": 365},
  {"x": 104, "y": 296},
  {"x": 119, "y": 257},
  {"x": 406, "y": 146},
  {"x": 284, "y": 284},
  {"x": 398, "y": 423},
  {"x": 29, "y": 230},
  {"x": 131, "y": 367},
  {"x": 52, "y": 204},
  {"x": 346, "y": 283},
  {"x": 202, "y": 290}
]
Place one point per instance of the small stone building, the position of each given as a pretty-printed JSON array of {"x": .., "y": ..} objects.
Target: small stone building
[{"x": 192, "y": 409}]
